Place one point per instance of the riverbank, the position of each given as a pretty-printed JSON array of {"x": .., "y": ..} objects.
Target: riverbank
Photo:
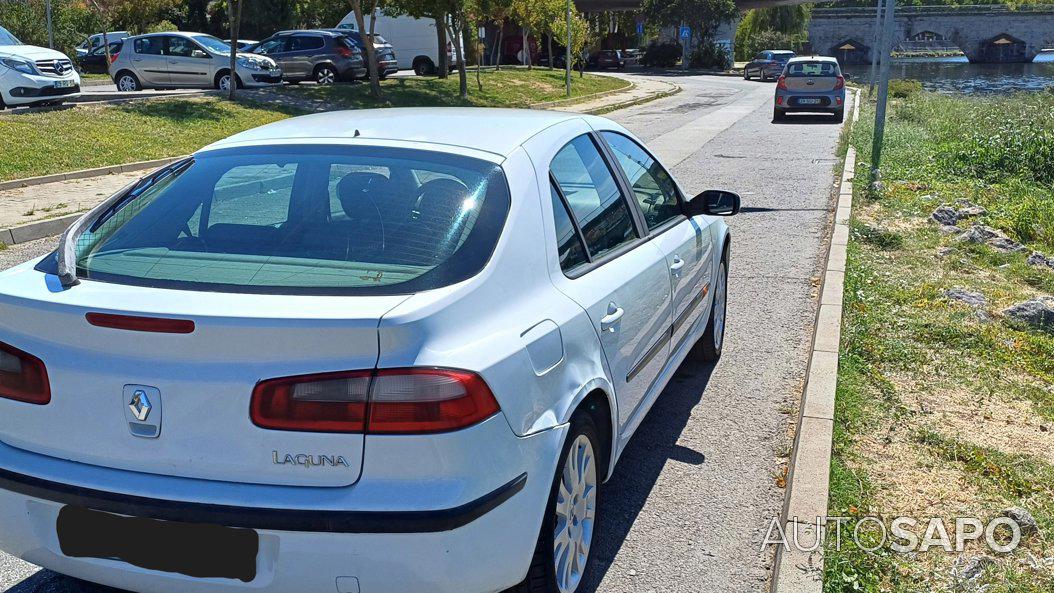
[{"x": 945, "y": 405}]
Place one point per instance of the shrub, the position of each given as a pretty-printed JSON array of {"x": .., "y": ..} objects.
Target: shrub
[
  {"x": 709, "y": 55},
  {"x": 662, "y": 55},
  {"x": 747, "y": 46},
  {"x": 903, "y": 88},
  {"x": 162, "y": 27}
]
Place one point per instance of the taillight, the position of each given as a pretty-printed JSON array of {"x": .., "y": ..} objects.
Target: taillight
[
  {"x": 345, "y": 52},
  {"x": 390, "y": 401},
  {"x": 23, "y": 377},
  {"x": 781, "y": 83},
  {"x": 113, "y": 58},
  {"x": 840, "y": 84}
]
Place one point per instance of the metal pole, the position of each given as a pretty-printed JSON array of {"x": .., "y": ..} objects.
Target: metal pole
[
  {"x": 883, "y": 90},
  {"x": 51, "y": 34},
  {"x": 567, "y": 54},
  {"x": 874, "y": 47}
]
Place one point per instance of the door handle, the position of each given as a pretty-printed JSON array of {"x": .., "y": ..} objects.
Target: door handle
[
  {"x": 614, "y": 314},
  {"x": 675, "y": 267}
]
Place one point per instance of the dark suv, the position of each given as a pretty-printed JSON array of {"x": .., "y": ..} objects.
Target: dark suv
[
  {"x": 323, "y": 56},
  {"x": 386, "y": 62}
]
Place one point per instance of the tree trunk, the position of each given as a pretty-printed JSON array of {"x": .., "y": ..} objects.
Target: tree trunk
[
  {"x": 444, "y": 63},
  {"x": 480, "y": 48},
  {"x": 549, "y": 48},
  {"x": 501, "y": 37},
  {"x": 367, "y": 40},
  {"x": 456, "y": 35},
  {"x": 526, "y": 49},
  {"x": 234, "y": 9}
]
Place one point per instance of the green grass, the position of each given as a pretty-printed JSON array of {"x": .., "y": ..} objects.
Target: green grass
[
  {"x": 96, "y": 136},
  {"x": 511, "y": 87},
  {"x": 908, "y": 354}
]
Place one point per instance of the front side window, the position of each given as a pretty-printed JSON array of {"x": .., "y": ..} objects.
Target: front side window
[
  {"x": 593, "y": 195},
  {"x": 304, "y": 220},
  {"x": 180, "y": 47},
  {"x": 273, "y": 46},
  {"x": 652, "y": 186}
]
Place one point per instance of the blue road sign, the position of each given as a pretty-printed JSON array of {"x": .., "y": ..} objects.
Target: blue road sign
[
  {"x": 686, "y": 32},
  {"x": 640, "y": 28}
]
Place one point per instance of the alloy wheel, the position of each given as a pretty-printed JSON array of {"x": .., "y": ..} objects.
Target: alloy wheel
[
  {"x": 225, "y": 82},
  {"x": 576, "y": 504},
  {"x": 127, "y": 84},
  {"x": 326, "y": 76}
]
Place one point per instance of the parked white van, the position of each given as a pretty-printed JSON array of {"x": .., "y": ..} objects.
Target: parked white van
[{"x": 415, "y": 41}]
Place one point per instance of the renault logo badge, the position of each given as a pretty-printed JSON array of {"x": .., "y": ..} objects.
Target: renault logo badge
[{"x": 140, "y": 405}]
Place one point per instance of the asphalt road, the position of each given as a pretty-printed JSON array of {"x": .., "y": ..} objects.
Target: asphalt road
[{"x": 692, "y": 497}]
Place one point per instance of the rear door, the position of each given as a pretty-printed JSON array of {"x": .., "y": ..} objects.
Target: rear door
[
  {"x": 305, "y": 50},
  {"x": 686, "y": 242},
  {"x": 623, "y": 284},
  {"x": 149, "y": 61}
]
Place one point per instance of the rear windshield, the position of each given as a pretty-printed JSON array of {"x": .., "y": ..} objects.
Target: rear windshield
[
  {"x": 303, "y": 220},
  {"x": 812, "y": 69}
]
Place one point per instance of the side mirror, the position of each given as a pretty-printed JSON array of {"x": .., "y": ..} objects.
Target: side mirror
[
  {"x": 197, "y": 53},
  {"x": 715, "y": 202}
]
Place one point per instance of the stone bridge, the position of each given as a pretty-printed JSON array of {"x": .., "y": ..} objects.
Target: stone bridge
[{"x": 983, "y": 33}]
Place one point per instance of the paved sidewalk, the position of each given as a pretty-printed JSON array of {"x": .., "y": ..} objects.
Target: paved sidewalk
[{"x": 51, "y": 200}]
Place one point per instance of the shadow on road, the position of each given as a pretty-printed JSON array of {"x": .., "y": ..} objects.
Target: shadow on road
[
  {"x": 807, "y": 119},
  {"x": 637, "y": 473},
  {"x": 46, "y": 581}
]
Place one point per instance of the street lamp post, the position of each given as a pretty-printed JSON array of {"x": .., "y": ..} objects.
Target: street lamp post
[
  {"x": 883, "y": 90},
  {"x": 51, "y": 34},
  {"x": 875, "y": 47}
]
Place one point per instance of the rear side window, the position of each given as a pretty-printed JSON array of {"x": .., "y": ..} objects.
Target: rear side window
[
  {"x": 306, "y": 42},
  {"x": 652, "y": 186},
  {"x": 593, "y": 195},
  {"x": 812, "y": 69},
  {"x": 154, "y": 46},
  {"x": 568, "y": 243},
  {"x": 304, "y": 220}
]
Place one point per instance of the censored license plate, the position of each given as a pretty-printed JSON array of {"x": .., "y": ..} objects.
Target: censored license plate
[
  {"x": 808, "y": 101},
  {"x": 195, "y": 550},
  {"x": 65, "y": 84}
]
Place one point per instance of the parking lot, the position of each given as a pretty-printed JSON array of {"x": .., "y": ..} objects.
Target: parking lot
[{"x": 691, "y": 499}]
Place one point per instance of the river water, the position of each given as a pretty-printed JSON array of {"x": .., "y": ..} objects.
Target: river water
[{"x": 958, "y": 75}]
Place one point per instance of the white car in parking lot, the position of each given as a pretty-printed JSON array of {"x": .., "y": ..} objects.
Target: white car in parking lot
[
  {"x": 187, "y": 60},
  {"x": 31, "y": 75},
  {"x": 352, "y": 352}
]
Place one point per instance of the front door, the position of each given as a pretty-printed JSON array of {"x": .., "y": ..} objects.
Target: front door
[
  {"x": 624, "y": 285},
  {"x": 188, "y": 64},
  {"x": 684, "y": 241}
]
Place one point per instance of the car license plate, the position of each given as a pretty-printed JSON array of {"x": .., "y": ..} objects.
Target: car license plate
[
  {"x": 275, "y": 72},
  {"x": 808, "y": 101},
  {"x": 195, "y": 550},
  {"x": 65, "y": 84}
]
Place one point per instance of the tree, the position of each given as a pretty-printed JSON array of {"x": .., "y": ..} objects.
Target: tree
[
  {"x": 427, "y": 9},
  {"x": 703, "y": 16},
  {"x": 579, "y": 34},
  {"x": 367, "y": 40},
  {"x": 234, "y": 15},
  {"x": 458, "y": 22},
  {"x": 525, "y": 13}
]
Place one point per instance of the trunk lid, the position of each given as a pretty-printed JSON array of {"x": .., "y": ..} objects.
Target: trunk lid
[
  {"x": 811, "y": 84},
  {"x": 203, "y": 380}
]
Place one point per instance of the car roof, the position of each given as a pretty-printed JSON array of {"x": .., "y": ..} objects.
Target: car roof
[
  {"x": 323, "y": 31},
  {"x": 797, "y": 59},
  {"x": 177, "y": 33},
  {"x": 497, "y": 131}
]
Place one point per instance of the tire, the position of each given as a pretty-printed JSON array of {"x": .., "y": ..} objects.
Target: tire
[
  {"x": 326, "y": 75},
  {"x": 223, "y": 81},
  {"x": 546, "y": 574},
  {"x": 127, "y": 82},
  {"x": 746, "y": 74},
  {"x": 712, "y": 343},
  {"x": 424, "y": 67},
  {"x": 839, "y": 116}
]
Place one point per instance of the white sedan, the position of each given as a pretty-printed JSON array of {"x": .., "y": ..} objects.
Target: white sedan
[{"x": 372, "y": 351}]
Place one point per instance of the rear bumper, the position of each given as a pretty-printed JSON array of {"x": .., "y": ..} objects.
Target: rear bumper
[
  {"x": 791, "y": 101},
  {"x": 382, "y": 534}
]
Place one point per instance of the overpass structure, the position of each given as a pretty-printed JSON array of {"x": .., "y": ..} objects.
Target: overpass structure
[{"x": 983, "y": 33}]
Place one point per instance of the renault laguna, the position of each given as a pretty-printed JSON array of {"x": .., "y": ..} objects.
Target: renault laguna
[{"x": 373, "y": 351}]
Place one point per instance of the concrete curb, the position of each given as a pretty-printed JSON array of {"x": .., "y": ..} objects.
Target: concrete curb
[
  {"x": 86, "y": 173},
  {"x": 570, "y": 101},
  {"x": 672, "y": 90},
  {"x": 795, "y": 569}
]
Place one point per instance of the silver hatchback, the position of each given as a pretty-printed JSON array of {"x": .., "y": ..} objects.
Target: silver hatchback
[
  {"x": 810, "y": 84},
  {"x": 187, "y": 60}
]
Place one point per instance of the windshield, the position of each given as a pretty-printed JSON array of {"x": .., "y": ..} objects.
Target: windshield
[
  {"x": 304, "y": 220},
  {"x": 6, "y": 38},
  {"x": 213, "y": 43}
]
